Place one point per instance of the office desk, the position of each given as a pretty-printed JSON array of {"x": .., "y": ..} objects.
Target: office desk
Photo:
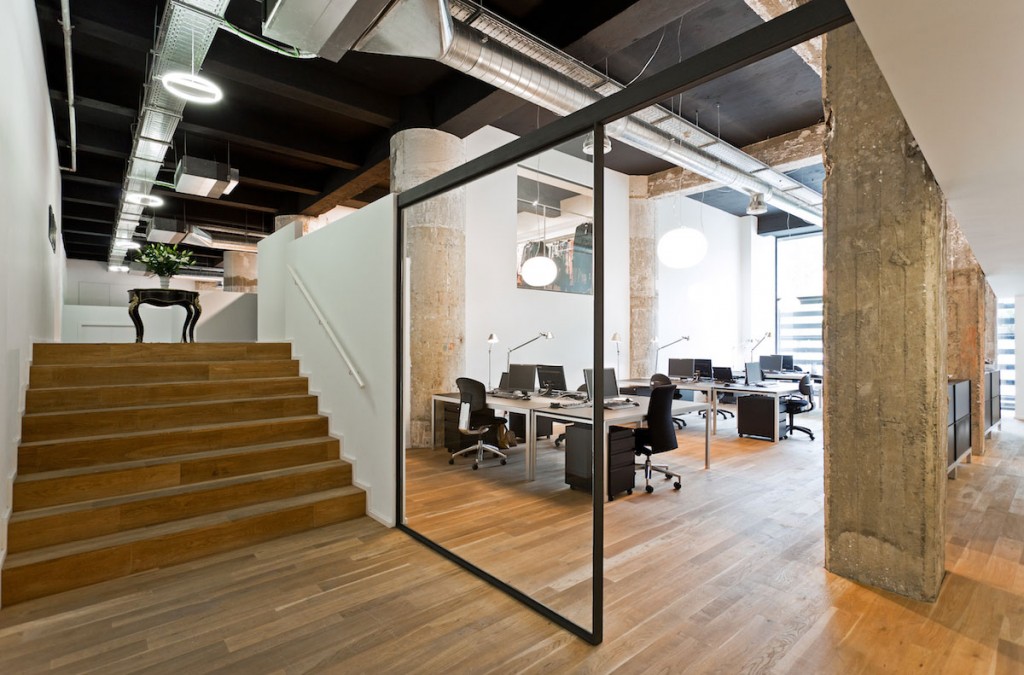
[
  {"x": 713, "y": 389},
  {"x": 625, "y": 416}
]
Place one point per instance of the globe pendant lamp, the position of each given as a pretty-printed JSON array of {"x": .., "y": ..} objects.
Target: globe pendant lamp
[
  {"x": 540, "y": 270},
  {"x": 682, "y": 247}
]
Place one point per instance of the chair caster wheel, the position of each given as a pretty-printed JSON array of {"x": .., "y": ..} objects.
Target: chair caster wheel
[
  {"x": 812, "y": 437},
  {"x": 504, "y": 461},
  {"x": 677, "y": 485},
  {"x": 475, "y": 466},
  {"x": 451, "y": 460},
  {"x": 629, "y": 492},
  {"x": 649, "y": 488}
]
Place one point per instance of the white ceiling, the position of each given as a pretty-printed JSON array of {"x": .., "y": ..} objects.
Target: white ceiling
[{"x": 957, "y": 71}]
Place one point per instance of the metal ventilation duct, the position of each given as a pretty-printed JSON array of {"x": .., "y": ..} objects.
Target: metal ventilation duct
[
  {"x": 497, "y": 53},
  {"x": 181, "y": 43}
]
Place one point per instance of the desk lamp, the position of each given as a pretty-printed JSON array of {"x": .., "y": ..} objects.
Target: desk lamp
[
  {"x": 757, "y": 342},
  {"x": 491, "y": 340},
  {"x": 617, "y": 339},
  {"x": 658, "y": 350},
  {"x": 545, "y": 335}
]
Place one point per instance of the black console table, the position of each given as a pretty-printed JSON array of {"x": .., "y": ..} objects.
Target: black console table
[{"x": 165, "y": 297}]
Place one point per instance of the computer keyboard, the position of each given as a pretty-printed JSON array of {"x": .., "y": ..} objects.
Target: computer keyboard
[
  {"x": 506, "y": 394},
  {"x": 570, "y": 404},
  {"x": 619, "y": 405}
]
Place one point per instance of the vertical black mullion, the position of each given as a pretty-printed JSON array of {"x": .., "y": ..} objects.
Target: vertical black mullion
[
  {"x": 400, "y": 361},
  {"x": 597, "y": 601}
]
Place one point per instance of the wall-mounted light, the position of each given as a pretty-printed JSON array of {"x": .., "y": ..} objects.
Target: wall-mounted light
[
  {"x": 682, "y": 247},
  {"x": 757, "y": 205}
]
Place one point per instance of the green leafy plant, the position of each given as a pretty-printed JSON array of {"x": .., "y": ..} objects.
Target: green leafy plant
[{"x": 164, "y": 260}]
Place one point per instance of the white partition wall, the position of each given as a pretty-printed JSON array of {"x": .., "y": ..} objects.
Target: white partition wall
[{"x": 348, "y": 269}]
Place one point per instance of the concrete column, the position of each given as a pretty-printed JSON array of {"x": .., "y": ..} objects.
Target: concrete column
[
  {"x": 965, "y": 325},
  {"x": 884, "y": 334},
  {"x": 643, "y": 279},
  {"x": 436, "y": 249},
  {"x": 240, "y": 272}
]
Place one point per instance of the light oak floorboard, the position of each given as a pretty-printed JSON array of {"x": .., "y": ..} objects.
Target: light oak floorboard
[{"x": 724, "y": 576}]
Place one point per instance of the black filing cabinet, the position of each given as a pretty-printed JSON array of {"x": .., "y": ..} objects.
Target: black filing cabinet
[
  {"x": 992, "y": 404},
  {"x": 754, "y": 416},
  {"x": 579, "y": 456},
  {"x": 958, "y": 421},
  {"x": 517, "y": 423},
  {"x": 455, "y": 441}
]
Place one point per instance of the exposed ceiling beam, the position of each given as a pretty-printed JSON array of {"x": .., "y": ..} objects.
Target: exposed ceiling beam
[
  {"x": 809, "y": 51},
  {"x": 349, "y": 187},
  {"x": 789, "y": 152}
]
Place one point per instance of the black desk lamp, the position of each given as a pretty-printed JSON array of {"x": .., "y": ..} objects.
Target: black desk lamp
[
  {"x": 491, "y": 340},
  {"x": 508, "y": 360}
]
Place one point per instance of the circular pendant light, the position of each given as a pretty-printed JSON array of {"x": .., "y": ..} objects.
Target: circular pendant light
[
  {"x": 191, "y": 87},
  {"x": 539, "y": 270},
  {"x": 143, "y": 200},
  {"x": 682, "y": 247}
]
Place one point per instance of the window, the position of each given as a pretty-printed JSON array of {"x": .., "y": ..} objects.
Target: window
[
  {"x": 1006, "y": 353},
  {"x": 799, "y": 265}
]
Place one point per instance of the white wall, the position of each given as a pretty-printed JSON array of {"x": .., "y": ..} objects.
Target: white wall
[
  {"x": 349, "y": 268},
  {"x": 493, "y": 302},
  {"x": 709, "y": 301},
  {"x": 31, "y": 277}
]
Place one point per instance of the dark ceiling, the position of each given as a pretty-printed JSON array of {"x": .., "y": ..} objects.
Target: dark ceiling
[{"x": 307, "y": 135}]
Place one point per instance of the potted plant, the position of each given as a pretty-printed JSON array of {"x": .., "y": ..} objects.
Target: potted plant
[{"x": 164, "y": 260}]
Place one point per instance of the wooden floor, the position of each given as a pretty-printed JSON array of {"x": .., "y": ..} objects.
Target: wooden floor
[{"x": 724, "y": 576}]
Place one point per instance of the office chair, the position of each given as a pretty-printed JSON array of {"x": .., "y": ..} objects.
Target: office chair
[
  {"x": 658, "y": 436},
  {"x": 561, "y": 436},
  {"x": 796, "y": 405},
  {"x": 660, "y": 380},
  {"x": 476, "y": 419}
]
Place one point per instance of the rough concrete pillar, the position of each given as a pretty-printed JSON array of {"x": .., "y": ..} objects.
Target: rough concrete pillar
[
  {"x": 884, "y": 335},
  {"x": 991, "y": 326},
  {"x": 643, "y": 278},
  {"x": 965, "y": 325},
  {"x": 436, "y": 248},
  {"x": 240, "y": 271}
]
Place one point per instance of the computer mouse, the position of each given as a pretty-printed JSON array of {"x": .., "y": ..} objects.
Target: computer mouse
[
  {"x": 634, "y": 403},
  {"x": 629, "y": 400}
]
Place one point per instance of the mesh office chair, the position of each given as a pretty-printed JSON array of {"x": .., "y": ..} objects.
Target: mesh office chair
[
  {"x": 660, "y": 380},
  {"x": 795, "y": 405},
  {"x": 476, "y": 419},
  {"x": 658, "y": 436}
]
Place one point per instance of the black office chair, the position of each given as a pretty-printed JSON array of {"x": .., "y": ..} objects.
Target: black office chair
[
  {"x": 658, "y": 436},
  {"x": 660, "y": 380},
  {"x": 561, "y": 436},
  {"x": 476, "y": 419},
  {"x": 795, "y": 405}
]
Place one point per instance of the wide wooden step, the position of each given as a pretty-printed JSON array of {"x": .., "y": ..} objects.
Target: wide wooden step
[
  {"x": 45, "y": 376},
  {"x": 60, "y": 399},
  {"x": 54, "y": 455},
  {"x": 90, "y": 354},
  {"x": 39, "y": 528},
  {"x": 50, "y": 488},
  {"x": 50, "y": 570},
  {"x": 84, "y": 423}
]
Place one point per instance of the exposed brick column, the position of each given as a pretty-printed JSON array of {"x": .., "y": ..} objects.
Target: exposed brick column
[
  {"x": 436, "y": 245},
  {"x": 966, "y": 313},
  {"x": 643, "y": 278},
  {"x": 884, "y": 334}
]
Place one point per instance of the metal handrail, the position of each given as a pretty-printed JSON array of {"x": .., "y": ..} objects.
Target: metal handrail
[{"x": 327, "y": 326}]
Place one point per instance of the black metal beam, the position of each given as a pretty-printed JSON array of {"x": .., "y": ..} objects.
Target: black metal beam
[{"x": 792, "y": 28}]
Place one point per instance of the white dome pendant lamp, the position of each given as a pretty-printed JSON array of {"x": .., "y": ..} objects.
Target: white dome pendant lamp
[
  {"x": 683, "y": 247},
  {"x": 540, "y": 270}
]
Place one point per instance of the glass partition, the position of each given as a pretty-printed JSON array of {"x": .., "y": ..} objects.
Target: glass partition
[{"x": 499, "y": 316}]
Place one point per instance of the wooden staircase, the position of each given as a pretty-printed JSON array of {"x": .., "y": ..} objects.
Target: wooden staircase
[{"x": 137, "y": 456}]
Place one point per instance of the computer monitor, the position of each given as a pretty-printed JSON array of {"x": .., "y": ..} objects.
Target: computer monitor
[
  {"x": 522, "y": 377},
  {"x": 753, "y": 372},
  {"x": 787, "y": 362},
  {"x": 680, "y": 367},
  {"x": 609, "y": 382},
  {"x": 771, "y": 363},
  {"x": 722, "y": 373},
  {"x": 551, "y": 377},
  {"x": 702, "y": 368},
  {"x": 503, "y": 382}
]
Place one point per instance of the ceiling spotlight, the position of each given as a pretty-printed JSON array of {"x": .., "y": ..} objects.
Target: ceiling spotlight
[
  {"x": 126, "y": 243},
  {"x": 191, "y": 87},
  {"x": 117, "y": 268},
  {"x": 588, "y": 144},
  {"x": 143, "y": 200},
  {"x": 756, "y": 207}
]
